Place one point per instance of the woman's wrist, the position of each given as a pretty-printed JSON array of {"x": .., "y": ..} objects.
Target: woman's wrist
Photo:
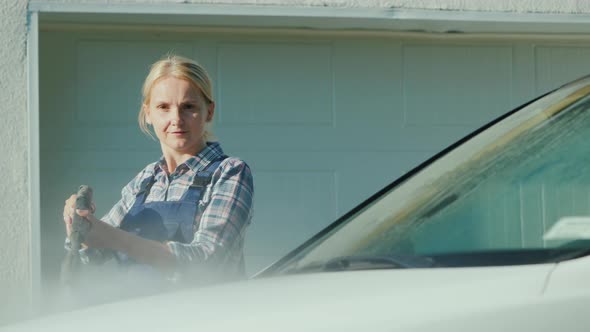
[{"x": 95, "y": 236}]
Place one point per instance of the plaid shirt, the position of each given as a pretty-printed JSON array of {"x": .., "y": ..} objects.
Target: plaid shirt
[{"x": 224, "y": 211}]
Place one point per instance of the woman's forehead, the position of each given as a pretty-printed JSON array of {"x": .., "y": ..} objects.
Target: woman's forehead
[{"x": 174, "y": 86}]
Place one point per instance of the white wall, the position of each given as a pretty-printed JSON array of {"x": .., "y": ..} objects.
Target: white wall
[
  {"x": 521, "y": 6},
  {"x": 15, "y": 274}
]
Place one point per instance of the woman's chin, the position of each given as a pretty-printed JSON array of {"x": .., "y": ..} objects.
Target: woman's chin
[{"x": 184, "y": 147}]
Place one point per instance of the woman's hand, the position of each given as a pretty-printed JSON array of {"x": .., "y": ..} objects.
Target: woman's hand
[{"x": 70, "y": 209}]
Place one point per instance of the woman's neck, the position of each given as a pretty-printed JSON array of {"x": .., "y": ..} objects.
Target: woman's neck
[
  {"x": 173, "y": 161},
  {"x": 175, "y": 158}
]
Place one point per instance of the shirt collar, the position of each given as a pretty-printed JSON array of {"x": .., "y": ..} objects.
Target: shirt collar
[{"x": 209, "y": 154}]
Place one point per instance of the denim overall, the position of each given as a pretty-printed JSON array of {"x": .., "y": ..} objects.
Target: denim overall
[{"x": 165, "y": 220}]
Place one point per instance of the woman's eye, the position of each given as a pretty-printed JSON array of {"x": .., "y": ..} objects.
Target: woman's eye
[
  {"x": 189, "y": 107},
  {"x": 162, "y": 107}
]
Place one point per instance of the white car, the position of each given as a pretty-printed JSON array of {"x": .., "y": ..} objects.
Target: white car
[{"x": 491, "y": 234}]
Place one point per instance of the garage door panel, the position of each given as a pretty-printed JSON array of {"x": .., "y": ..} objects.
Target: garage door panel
[
  {"x": 100, "y": 100},
  {"x": 275, "y": 84},
  {"x": 384, "y": 167},
  {"x": 356, "y": 175},
  {"x": 297, "y": 205},
  {"x": 368, "y": 84},
  {"x": 450, "y": 85},
  {"x": 107, "y": 172},
  {"x": 361, "y": 138},
  {"x": 106, "y": 138},
  {"x": 57, "y": 92},
  {"x": 559, "y": 64}
]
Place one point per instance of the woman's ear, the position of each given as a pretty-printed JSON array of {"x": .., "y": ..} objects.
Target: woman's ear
[
  {"x": 210, "y": 111},
  {"x": 146, "y": 113}
]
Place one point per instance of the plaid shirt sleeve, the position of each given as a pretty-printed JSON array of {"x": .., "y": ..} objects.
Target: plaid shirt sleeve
[{"x": 226, "y": 211}]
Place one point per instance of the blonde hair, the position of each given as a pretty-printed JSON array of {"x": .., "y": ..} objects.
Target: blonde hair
[{"x": 182, "y": 68}]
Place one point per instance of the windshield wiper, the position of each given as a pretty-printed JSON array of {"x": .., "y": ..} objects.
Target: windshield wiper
[{"x": 352, "y": 263}]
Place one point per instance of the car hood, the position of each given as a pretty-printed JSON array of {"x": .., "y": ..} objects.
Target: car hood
[{"x": 377, "y": 300}]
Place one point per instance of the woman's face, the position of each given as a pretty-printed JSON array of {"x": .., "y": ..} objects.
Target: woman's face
[{"x": 178, "y": 113}]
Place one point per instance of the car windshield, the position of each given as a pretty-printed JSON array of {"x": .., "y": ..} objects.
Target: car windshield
[{"x": 518, "y": 188}]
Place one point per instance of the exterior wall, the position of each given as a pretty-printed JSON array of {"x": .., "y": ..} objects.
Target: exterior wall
[
  {"x": 519, "y": 6},
  {"x": 15, "y": 274}
]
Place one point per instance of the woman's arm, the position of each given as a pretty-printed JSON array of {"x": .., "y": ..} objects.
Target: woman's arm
[
  {"x": 218, "y": 240},
  {"x": 156, "y": 254}
]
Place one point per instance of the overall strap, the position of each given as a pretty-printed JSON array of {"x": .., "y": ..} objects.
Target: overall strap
[
  {"x": 202, "y": 181},
  {"x": 144, "y": 190}
]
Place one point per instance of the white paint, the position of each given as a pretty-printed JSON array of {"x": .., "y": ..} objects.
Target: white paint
[
  {"x": 568, "y": 277},
  {"x": 15, "y": 232},
  {"x": 377, "y": 300}
]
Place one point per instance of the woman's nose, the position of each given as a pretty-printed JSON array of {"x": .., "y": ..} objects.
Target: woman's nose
[{"x": 175, "y": 115}]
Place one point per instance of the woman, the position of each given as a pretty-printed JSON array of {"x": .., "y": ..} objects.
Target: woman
[{"x": 189, "y": 210}]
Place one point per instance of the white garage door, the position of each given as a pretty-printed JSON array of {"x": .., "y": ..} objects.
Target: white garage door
[{"x": 323, "y": 121}]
